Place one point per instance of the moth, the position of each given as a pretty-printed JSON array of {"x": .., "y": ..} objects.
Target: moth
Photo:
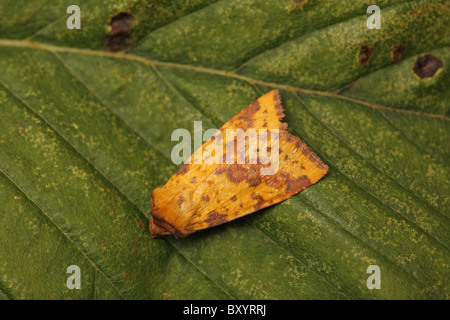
[{"x": 230, "y": 176}]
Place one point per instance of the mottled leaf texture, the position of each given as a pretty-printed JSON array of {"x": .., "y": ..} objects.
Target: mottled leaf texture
[{"x": 86, "y": 117}]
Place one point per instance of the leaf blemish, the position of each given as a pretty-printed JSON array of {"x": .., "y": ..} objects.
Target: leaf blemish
[
  {"x": 365, "y": 53},
  {"x": 397, "y": 52},
  {"x": 140, "y": 223},
  {"x": 297, "y": 4},
  {"x": 119, "y": 36},
  {"x": 427, "y": 65}
]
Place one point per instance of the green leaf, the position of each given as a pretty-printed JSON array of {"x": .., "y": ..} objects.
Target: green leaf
[{"x": 85, "y": 136}]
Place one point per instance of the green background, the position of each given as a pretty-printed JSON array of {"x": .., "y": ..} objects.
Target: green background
[{"x": 85, "y": 137}]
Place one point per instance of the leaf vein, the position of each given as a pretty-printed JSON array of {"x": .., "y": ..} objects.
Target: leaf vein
[
  {"x": 96, "y": 168},
  {"x": 259, "y": 55},
  {"x": 370, "y": 163},
  {"x": 218, "y": 72},
  {"x": 62, "y": 231}
]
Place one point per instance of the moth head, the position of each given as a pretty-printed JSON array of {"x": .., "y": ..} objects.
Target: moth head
[{"x": 171, "y": 211}]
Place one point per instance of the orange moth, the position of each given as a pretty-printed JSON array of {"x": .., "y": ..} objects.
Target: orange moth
[{"x": 250, "y": 163}]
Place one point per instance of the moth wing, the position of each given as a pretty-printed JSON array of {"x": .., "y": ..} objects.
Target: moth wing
[
  {"x": 235, "y": 190},
  {"x": 200, "y": 196},
  {"x": 265, "y": 113}
]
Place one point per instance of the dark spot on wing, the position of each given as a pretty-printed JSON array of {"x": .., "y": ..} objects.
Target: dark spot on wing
[
  {"x": 248, "y": 114},
  {"x": 260, "y": 201},
  {"x": 237, "y": 173},
  {"x": 180, "y": 200},
  {"x": 183, "y": 169},
  {"x": 313, "y": 157},
  {"x": 297, "y": 185},
  {"x": 214, "y": 219},
  {"x": 254, "y": 182}
]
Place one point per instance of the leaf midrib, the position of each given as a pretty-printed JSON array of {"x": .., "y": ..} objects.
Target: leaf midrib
[{"x": 219, "y": 72}]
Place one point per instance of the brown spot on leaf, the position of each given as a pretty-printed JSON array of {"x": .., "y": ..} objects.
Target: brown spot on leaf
[
  {"x": 427, "y": 65},
  {"x": 397, "y": 52},
  {"x": 120, "y": 23},
  {"x": 233, "y": 198},
  {"x": 297, "y": 4},
  {"x": 214, "y": 219},
  {"x": 140, "y": 223},
  {"x": 119, "y": 36},
  {"x": 194, "y": 180},
  {"x": 365, "y": 53},
  {"x": 20, "y": 125},
  {"x": 205, "y": 198}
]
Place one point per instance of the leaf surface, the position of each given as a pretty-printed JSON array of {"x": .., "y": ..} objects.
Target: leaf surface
[{"x": 85, "y": 135}]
